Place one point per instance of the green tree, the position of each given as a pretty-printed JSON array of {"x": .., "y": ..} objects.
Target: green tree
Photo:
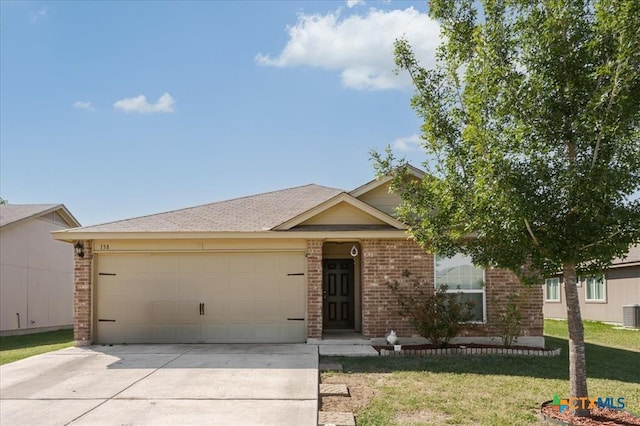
[
  {"x": 531, "y": 121},
  {"x": 3, "y": 201}
]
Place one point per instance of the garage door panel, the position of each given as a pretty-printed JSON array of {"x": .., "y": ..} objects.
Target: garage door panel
[
  {"x": 110, "y": 264},
  {"x": 215, "y": 310},
  {"x": 136, "y": 287},
  {"x": 189, "y": 333},
  {"x": 239, "y": 310},
  {"x": 138, "y": 333},
  {"x": 136, "y": 264},
  {"x": 292, "y": 308},
  {"x": 215, "y": 264},
  {"x": 164, "y": 333},
  {"x": 241, "y": 263},
  {"x": 292, "y": 264},
  {"x": 268, "y": 332},
  {"x": 112, "y": 309},
  {"x": 240, "y": 286},
  {"x": 189, "y": 264},
  {"x": 188, "y": 311},
  {"x": 215, "y": 332},
  {"x": 164, "y": 287},
  {"x": 246, "y": 298},
  {"x": 218, "y": 286},
  {"x": 112, "y": 333},
  {"x": 190, "y": 286},
  {"x": 267, "y": 286},
  {"x": 292, "y": 288},
  {"x": 137, "y": 311},
  {"x": 112, "y": 285},
  {"x": 268, "y": 310},
  {"x": 293, "y": 332},
  {"x": 165, "y": 311},
  {"x": 241, "y": 333},
  {"x": 266, "y": 264},
  {"x": 162, "y": 264}
]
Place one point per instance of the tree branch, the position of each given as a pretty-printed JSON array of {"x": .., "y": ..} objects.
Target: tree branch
[
  {"x": 533, "y": 237},
  {"x": 599, "y": 242},
  {"x": 606, "y": 114}
]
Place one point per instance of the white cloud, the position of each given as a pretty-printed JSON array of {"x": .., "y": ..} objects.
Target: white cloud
[
  {"x": 139, "y": 104},
  {"x": 352, "y": 3},
  {"x": 83, "y": 105},
  {"x": 36, "y": 15},
  {"x": 409, "y": 143},
  {"x": 360, "y": 46}
]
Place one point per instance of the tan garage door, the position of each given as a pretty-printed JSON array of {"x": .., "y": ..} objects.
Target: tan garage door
[{"x": 191, "y": 298}]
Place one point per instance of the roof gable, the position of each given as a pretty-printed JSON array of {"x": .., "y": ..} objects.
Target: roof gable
[
  {"x": 377, "y": 193},
  {"x": 343, "y": 213},
  {"x": 11, "y": 214},
  {"x": 339, "y": 209},
  {"x": 384, "y": 180}
]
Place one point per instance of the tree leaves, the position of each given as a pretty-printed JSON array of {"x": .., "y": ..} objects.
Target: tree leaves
[{"x": 533, "y": 117}]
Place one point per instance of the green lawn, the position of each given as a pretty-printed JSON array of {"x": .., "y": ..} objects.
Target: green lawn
[
  {"x": 13, "y": 348},
  {"x": 494, "y": 390}
]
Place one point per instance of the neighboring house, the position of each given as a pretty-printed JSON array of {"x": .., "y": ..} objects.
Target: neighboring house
[
  {"x": 293, "y": 265},
  {"x": 36, "y": 272},
  {"x": 601, "y": 297}
]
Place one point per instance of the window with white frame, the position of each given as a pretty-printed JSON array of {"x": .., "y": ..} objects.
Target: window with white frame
[
  {"x": 595, "y": 288},
  {"x": 552, "y": 289},
  {"x": 460, "y": 275}
]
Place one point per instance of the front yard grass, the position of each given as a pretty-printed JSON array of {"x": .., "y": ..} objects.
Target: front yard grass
[
  {"x": 13, "y": 348},
  {"x": 491, "y": 390}
]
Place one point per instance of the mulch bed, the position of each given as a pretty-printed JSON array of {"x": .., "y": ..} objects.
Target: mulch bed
[
  {"x": 605, "y": 416},
  {"x": 452, "y": 346}
]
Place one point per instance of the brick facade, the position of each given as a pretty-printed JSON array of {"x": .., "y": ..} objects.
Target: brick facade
[
  {"x": 314, "y": 289},
  {"x": 384, "y": 262},
  {"x": 83, "y": 276},
  {"x": 499, "y": 285}
]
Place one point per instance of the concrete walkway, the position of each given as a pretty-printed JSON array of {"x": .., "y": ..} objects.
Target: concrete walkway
[{"x": 163, "y": 385}]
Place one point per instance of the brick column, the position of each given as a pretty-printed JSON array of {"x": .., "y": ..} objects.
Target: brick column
[
  {"x": 83, "y": 277},
  {"x": 314, "y": 289}
]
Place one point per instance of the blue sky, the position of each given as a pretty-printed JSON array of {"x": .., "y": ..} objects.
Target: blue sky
[{"x": 121, "y": 109}]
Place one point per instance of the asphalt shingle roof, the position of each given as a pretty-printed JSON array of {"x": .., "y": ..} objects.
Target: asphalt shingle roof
[
  {"x": 248, "y": 214},
  {"x": 10, "y": 213}
]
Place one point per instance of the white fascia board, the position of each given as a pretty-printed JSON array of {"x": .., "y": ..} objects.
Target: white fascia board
[{"x": 71, "y": 237}]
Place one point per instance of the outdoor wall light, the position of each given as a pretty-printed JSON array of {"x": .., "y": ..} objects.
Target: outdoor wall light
[
  {"x": 354, "y": 251},
  {"x": 79, "y": 249}
]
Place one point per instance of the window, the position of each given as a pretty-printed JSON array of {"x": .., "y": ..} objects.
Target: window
[
  {"x": 461, "y": 275},
  {"x": 595, "y": 288},
  {"x": 552, "y": 287}
]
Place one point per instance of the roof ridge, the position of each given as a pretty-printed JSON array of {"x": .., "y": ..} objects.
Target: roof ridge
[{"x": 210, "y": 204}]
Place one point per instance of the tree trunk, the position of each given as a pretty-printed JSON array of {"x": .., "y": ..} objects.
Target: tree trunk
[{"x": 577, "y": 358}]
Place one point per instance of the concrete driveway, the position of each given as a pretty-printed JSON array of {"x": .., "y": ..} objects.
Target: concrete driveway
[{"x": 163, "y": 385}]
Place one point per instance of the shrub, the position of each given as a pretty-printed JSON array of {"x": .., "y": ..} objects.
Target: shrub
[
  {"x": 509, "y": 320},
  {"x": 437, "y": 315}
]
